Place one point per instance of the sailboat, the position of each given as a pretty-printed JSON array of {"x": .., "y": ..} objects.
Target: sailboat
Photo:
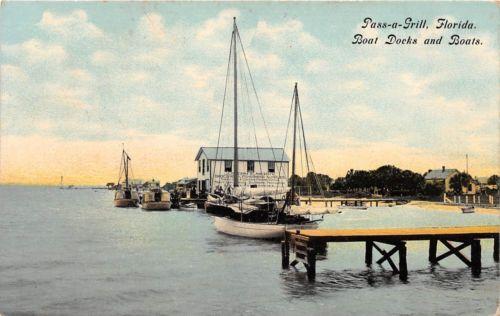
[
  {"x": 125, "y": 196},
  {"x": 258, "y": 217}
]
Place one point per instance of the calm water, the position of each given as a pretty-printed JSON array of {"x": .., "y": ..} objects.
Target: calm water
[{"x": 71, "y": 252}]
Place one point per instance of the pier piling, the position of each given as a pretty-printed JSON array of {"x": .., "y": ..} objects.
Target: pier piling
[
  {"x": 369, "y": 253},
  {"x": 432, "y": 250},
  {"x": 475, "y": 253},
  {"x": 495, "y": 248}
]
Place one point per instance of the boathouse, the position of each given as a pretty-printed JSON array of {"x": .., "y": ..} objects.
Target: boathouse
[
  {"x": 441, "y": 177},
  {"x": 257, "y": 167}
]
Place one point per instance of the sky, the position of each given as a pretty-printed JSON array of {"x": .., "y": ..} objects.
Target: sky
[{"x": 81, "y": 80}]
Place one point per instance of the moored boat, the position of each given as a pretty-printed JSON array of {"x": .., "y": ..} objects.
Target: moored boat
[
  {"x": 468, "y": 209},
  {"x": 125, "y": 195},
  {"x": 154, "y": 198},
  {"x": 266, "y": 230}
]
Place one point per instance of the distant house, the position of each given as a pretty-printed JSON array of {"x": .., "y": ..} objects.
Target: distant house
[
  {"x": 441, "y": 177},
  {"x": 258, "y": 167}
]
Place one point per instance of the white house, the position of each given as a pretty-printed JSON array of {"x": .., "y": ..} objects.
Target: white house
[{"x": 258, "y": 167}]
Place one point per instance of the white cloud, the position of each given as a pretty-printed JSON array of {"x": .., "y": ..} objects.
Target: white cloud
[
  {"x": 12, "y": 73},
  {"x": 35, "y": 51},
  {"x": 212, "y": 28},
  {"x": 316, "y": 66},
  {"x": 74, "y": 25},
  {"x": 289, "y": 33},
  {"x": 264, "y": 60},
  {"x": 69, "y": 96},
  {"x": 102, "y": 57},
  {"x": 151, "y": 27},
  {"x": 80, "y": 74}
]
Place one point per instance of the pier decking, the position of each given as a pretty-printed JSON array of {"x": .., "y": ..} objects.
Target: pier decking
[{"x": 307, "y": 243}]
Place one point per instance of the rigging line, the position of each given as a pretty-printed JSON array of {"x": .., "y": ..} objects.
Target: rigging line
[
  {"x": 222, "y": 114},
  {"x": 256, "y": 95},
  {"x": 254, "y": 128},
  {"x": 120, "y": 172},
  {"x": 300, "y": 155},
  {"x": 308, "y": 156},
  {"x": 284, "y": 145}
]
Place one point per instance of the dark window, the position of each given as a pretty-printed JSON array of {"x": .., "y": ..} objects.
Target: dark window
[
  {"x": 228, "y": 166},
  {"x": 250, "y": 166},
  {"x": 203, "y": 168},
  {"x": 199, "y": 166},
  {"x": 253, "y": 186},
  {"x": 270, "y": 166},
  {"x": 208, "y": 165}
]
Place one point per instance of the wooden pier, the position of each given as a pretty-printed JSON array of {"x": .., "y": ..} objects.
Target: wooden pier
[
  {"x": 306, "y": 244},
  {"x": 351, "y": 201}
]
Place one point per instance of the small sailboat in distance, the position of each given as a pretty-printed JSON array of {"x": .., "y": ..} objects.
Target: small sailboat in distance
[{"x": 125, "y": 195}]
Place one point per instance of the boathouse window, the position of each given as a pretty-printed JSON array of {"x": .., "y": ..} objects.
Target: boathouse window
[
  {"x": 199, "y": 166},
  {"x": 203, "y": 168},
  {"x": 250, "y": 166},
  {"x": 270, "y": 166},
  {"x": 208, "y": 165},
  {"x": 228, "y": 166}
]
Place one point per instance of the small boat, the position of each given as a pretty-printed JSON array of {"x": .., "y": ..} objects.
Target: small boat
[
  {"x": 353, "y": 207},
  {"x": 256, "y": 230},
  {"x": 468, "y": 209},
  {"x": 188, "y": 206},
  {"x": 125, "y": 196}
]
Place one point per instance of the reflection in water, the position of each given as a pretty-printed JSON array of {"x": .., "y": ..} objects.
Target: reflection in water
[{"x": 296, "y": 285}]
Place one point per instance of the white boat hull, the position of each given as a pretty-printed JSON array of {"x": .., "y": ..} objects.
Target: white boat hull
[{"x": 255, "y": 230}]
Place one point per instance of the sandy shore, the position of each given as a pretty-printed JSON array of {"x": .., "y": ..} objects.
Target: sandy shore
[
  {"x": 319, "y": 208},
  {"x": 435, "y": 206}
]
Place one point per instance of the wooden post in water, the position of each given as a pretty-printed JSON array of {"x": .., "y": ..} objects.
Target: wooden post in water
[
  {"x": 369, "y": 253},
  {"x": 403, "y": 268},
  {"x": 495, "y": 248},
  {"x": 311, "y": 264},
  {"x": 285, "y": 253},
  {"x": 432, "y": 250},
  {"x": 475, "y": 254}
]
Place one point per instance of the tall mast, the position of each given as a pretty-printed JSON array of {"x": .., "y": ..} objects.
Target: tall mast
[
  {"x": 236, "y": 161},
  {"x": 296, "y": 96},
  {"x": 125, "y": 165}
]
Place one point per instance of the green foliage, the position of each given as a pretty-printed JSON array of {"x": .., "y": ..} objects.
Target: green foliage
[
  {"x": 459, "y": 181},
  {"x": 432, "y": 189},
  {"x": 494, "y": 179},
  {"x": 386, "y": 179},
  {"x": 312, "y": 181}
]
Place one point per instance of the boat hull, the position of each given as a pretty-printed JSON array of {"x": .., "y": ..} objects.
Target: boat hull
[
  {"x": 125, "y": 203},
  {"x": 256, "y": 230},
  {"x": 156, "y": 206}
]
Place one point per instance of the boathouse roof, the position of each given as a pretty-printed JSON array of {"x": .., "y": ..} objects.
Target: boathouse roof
[
  {"x": 244, "y": 153},
  {"x": 440, "y": 174}
]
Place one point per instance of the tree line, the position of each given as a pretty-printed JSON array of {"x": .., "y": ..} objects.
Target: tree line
[{"x": 385, "y": 180}]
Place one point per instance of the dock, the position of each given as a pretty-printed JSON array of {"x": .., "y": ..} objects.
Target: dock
[
  {"x": 306, "y": 244},
  {"x": 351, "y": 201}
]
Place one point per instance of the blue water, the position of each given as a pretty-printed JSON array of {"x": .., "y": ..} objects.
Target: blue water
[{"x": 70, "y": 252}]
